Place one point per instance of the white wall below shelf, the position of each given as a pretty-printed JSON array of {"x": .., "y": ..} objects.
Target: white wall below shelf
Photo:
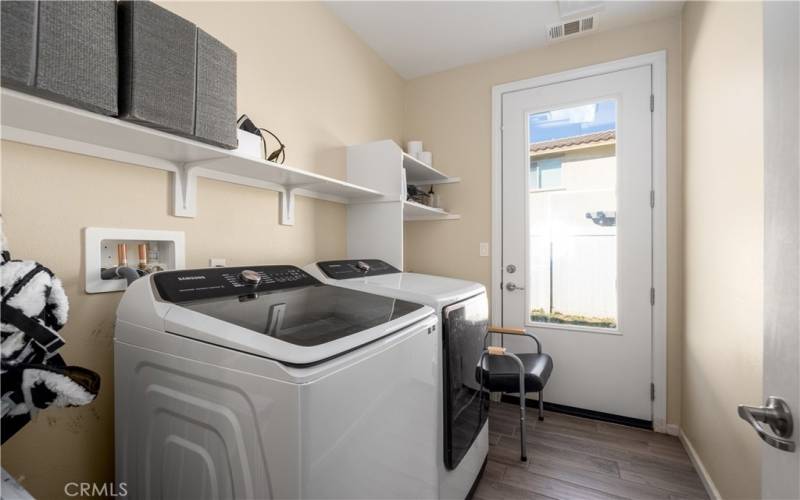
[
  {"x": 413, "y": 211},
  {"x": 32, "y": 120}
]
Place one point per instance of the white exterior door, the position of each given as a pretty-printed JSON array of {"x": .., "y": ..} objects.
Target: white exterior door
[{"x": 577, "y": 235}]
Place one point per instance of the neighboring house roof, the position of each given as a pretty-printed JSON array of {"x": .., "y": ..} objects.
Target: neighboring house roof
[{"x": 574, "y": 142}]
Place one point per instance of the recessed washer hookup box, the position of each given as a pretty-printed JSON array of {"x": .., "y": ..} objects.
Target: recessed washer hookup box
[
  {"x": 157, "y": 67},
  {"x": 62, "y": 51}
]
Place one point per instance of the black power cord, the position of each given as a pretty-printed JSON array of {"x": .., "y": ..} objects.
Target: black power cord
[{"x": 277, "y": 156}]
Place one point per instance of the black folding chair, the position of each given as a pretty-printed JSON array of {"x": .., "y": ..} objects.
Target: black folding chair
[{"x": 501, "y": 371}]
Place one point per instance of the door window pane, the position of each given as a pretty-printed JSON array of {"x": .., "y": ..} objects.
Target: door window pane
[
  {"x": 572, "y": 206},
  {"x": 545, "y": 173}
]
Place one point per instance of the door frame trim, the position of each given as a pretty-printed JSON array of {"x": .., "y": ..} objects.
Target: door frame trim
[{"x": 658, "y": 62}]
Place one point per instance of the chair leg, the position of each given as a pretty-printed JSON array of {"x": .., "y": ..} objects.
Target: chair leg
[
  {"x": 541, "y": 406},
  {"x": 523, "y": 442}
]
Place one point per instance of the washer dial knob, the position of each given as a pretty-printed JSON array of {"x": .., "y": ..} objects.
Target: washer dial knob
[
  {"x": 250, "y": 277},
  {"x": 362, "y": 266}
]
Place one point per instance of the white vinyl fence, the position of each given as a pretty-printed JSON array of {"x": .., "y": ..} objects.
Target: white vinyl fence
[{"x": 572, "y": 259}]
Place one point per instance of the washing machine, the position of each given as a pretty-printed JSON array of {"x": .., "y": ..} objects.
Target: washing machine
[
  {"x": 262, "y": 382},
  {"x": 463, "y": 313}
]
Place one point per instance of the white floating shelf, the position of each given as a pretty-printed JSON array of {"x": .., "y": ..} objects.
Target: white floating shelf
[
  {"x": 421, "y": 173},
  {"x": 413, "y": 211},
  {"x": 32, "y": 120},
  {"x": 314, "y": 185}
]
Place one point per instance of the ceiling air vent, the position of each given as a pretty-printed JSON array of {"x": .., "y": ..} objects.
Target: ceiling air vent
[
  {"x": 572, "y": 28},
  {"x": 555, "y": 32}
]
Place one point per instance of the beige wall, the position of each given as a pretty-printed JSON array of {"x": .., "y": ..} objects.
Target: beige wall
[
  {"x": 302, "y": 74},
  {"x": 723, "y": 223},
  {"x": 451, "y": 113}
]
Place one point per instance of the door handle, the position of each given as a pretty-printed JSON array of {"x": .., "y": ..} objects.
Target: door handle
[
  {"x": 778, "y": 416},
  {"x": 510, "y": 286}
]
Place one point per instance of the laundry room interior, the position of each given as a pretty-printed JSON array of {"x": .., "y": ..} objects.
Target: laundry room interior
[{"x": 400, "y": 249}]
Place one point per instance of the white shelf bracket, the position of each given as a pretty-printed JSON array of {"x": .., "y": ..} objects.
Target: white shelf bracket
[
  {"x": 287, "y": 200},
  {"x": 184, "y": 191}
]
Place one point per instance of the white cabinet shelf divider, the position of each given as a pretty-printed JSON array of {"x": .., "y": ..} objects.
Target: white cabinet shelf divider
[
  {"x": 375, "y": 228},
  {"x": 413, "y": 211},
  {"x": 32, "y": 120},
  {"x": 419, "y": 173}
]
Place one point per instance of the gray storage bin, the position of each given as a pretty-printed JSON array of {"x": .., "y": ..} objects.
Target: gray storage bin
[
  {"x": 215, "y": 118},
  {"x": 63, "y": 51},
  {"x": 18, "y": 43},
  {"x": 157, "y": 67}
]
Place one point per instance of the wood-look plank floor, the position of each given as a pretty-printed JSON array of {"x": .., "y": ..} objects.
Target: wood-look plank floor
[{"x": 576, "y": 458}]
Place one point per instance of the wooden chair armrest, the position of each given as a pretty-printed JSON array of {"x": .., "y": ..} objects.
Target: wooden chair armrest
[
  {"x": 513, "y": 331},
  {"x": 496, "y": 350},
  {"x": 506, "y": 331}
]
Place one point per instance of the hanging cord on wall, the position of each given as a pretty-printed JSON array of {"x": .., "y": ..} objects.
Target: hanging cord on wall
[{"x": 277, "y": 156}]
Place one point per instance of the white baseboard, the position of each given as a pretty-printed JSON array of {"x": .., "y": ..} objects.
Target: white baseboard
[
  {"x": 659, "y": 425},
  {"x": 708, "y": 483}
]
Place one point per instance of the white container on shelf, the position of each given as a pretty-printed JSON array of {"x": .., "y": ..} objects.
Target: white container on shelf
[
  {"x": 436, "y": 201},
  {"x": 250, "y": 144},
  {"x": 426, "y": 157},
  {"x": 414, "y": 148}
]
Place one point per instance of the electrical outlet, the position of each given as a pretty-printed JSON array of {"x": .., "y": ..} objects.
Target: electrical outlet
[
  {"x": 484, "y": 249},
  {"x": 216, "y": 262}
]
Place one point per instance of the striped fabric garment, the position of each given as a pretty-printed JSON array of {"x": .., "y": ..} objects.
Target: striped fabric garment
[{"x": 33, "y": 376}]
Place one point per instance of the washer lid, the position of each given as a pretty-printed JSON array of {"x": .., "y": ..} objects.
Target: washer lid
[
  {"x": 435, "y": 291},
  {"x": 383, "y": 279},
  {"x": 299, "y": 326},
  {"x": 426, "y": 285}
]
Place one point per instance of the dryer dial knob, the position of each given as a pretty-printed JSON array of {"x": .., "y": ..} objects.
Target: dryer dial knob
[
  {"x": 362, "y": 266},
  {"x": 250, "y": 277}
]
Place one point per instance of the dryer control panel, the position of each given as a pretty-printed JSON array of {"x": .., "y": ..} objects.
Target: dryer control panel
[
  {"x": 346, "y": 269},
  {"x": 198, "y": 284}
]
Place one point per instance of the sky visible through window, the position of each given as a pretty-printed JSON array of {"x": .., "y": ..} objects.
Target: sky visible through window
[{"x": 569, "y": 122}]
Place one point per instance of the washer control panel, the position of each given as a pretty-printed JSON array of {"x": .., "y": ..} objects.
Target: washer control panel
[
  {"x": 346, "y": 269},
  {"x": 250, "y": 277},
  {"x": 198, "y": 284}
]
